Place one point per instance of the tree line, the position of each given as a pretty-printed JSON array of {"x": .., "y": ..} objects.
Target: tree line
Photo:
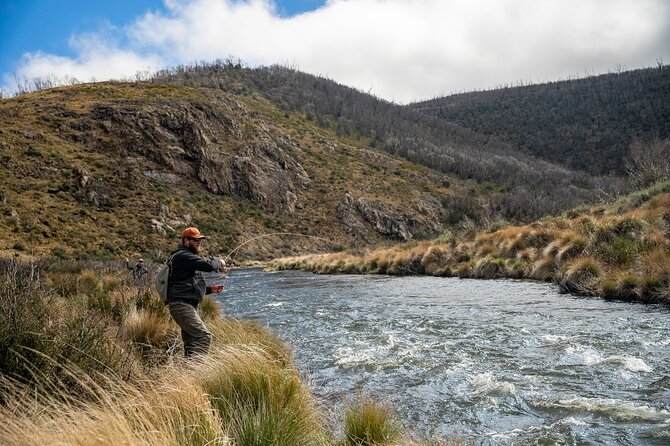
[{"x": 586, "y": 124}]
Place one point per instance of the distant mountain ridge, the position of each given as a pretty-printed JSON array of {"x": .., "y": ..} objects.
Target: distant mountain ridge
[{"x": 586, "y": 124}]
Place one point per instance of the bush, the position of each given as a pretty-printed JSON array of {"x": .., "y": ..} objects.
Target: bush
[
  {"x": 39, "y": 332},
  {"x": 621, "y": 251}
]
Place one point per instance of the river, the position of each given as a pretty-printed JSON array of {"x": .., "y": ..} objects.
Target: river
[{"x": 500, "y": 362}]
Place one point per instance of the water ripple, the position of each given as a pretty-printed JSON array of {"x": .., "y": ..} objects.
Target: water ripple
[{"x": 504, "y": 362}]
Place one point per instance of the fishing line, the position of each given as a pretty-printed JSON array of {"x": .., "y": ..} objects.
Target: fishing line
[
  {"x": 275, "y": 233},
  {"x": 270, "y": 235}
]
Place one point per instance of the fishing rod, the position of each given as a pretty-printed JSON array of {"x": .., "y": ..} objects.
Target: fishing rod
[{"x": 274, "y": 234}]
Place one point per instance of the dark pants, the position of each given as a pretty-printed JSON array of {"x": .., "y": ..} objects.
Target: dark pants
[{"x": 195, "y": 335}]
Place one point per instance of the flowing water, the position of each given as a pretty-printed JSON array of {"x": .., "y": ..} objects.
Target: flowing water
[{"x": 499, "y": 362}]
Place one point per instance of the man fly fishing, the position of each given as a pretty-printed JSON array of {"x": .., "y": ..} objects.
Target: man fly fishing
[{"x": 187, "y": 287}]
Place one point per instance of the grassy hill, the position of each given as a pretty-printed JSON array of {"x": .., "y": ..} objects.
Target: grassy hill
[
  {"x": 618, "y": 251},
  {"x": 110, "y": 169}
]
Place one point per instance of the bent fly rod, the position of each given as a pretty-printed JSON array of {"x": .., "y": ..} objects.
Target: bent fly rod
[{"x": 272, "y": 234}]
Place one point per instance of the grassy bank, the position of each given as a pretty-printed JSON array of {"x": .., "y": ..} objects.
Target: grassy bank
[
  {"x": 616, "y": 251},
  {"x": 88, "y": 358}
]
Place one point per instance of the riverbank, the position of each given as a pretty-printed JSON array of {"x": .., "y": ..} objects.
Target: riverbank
[
  {"x": 88, "y": 358},
  {"x": 616, "y": 251}
]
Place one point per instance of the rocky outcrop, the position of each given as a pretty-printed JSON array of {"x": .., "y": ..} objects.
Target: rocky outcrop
[
  {"x": 166, "y": 221},
  {"x": 236, "y": 156},
  {"x": 262, "y": 172},
  {"x": 362, "y": 214}
]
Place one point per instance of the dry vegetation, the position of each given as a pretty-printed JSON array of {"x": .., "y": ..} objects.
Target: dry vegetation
[
  {"x": 73, "y": 187},
  {"x": 86, "y": 358},
  {"x": 618, "y": 251}
]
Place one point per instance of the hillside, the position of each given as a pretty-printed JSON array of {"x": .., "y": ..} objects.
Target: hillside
[
  {"x": 110, "y": 169},
  {"x": 616, "y": 251},
  {"x": 512, "y": 185},
  {"x": 586, "y": 124}
]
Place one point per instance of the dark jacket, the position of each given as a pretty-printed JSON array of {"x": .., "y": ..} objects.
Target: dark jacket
[
  {"x": 139, "y": 271},
  {"x": 186, "y": 283}
]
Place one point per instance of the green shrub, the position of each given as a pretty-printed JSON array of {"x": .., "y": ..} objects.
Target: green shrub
[
  {"x": 622, "y": 289},
  {"x": 620, "y": 251},
  {"x": 40, "y": 332},
  {"x": 60, "y": 253}
]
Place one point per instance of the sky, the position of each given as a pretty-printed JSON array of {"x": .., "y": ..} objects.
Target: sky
[{"x": 399, "y": 50}]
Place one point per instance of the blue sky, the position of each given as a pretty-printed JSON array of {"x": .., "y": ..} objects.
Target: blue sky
[
  {"x": 28, "y": 26},
  {"x": 401, "y": 50}
]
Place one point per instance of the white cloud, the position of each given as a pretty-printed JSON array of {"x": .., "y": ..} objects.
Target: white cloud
[{"x": 400, "y": 49}]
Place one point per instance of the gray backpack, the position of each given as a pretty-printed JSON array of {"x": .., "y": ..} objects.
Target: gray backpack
[{"x": 163, "y": 278}]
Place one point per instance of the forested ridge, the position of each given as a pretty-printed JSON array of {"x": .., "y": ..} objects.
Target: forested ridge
[
  {"x": 586, "y": 124},
  {"x": 517, "y": 186}
]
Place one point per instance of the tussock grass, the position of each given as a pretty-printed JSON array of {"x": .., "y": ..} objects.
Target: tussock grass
[
  {"x": 618, "y": 251},
  {"x": 544, "y": 269},
  {"x": 37, "y": 326},
  {"x": 144, "y": 327},
  {"x": 171, "y": 409},
  {"x": 261, "y": 401},
  {"x": 581, "y": 276},
  {"x": 368, "y": 423},
  {"x": 209, "y": 309},
  {"x": 233, "y": 332}
]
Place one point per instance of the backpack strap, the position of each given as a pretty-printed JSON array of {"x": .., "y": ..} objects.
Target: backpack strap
[{"x": 169, "y": 265}]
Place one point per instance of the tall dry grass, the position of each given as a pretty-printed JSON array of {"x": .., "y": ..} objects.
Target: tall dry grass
[
  {"x": 617, "y": 251},
  {"x": 170, "y": 409},
  {"x": 260, "y": 400},
  {"x": 86, "y": 361}
]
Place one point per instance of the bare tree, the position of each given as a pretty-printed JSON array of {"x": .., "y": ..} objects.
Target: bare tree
[{"x": 648, "y": 163}]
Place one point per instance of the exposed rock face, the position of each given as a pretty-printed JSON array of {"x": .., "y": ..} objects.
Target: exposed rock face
[
  {"x": 195, "y": 139},
  {"x": 167, "y": 220},
  {"x": 358, "y": 215},
  {"x": 87, "y": 188},
  {"x": 263, "y": 173}
]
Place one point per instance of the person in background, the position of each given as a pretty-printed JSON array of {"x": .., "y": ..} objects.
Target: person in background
[
  {"x": 139, "y": 271},
  {"x": 187, "y": 287}
]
